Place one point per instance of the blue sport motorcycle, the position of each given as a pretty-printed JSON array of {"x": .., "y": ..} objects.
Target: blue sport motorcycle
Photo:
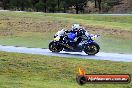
[{"x": 65, "y": 43}]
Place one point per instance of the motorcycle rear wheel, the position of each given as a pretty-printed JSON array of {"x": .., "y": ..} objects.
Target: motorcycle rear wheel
[{"x": 92, "y": 48}]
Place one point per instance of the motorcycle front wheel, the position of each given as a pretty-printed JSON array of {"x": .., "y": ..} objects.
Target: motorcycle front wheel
[
  {"x": 92, "y": 48},
  {"x": 55, "y": 47}
]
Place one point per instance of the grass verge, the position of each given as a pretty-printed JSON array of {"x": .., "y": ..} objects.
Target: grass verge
[{"x": 36, "y": 71}]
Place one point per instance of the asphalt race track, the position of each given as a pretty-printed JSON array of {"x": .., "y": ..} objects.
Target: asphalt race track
[{"x": 82, "y": 55}]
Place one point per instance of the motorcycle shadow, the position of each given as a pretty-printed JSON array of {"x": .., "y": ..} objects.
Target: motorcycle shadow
[{"x": 74, "y": 54}]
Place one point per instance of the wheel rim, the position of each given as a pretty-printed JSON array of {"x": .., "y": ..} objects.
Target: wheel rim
[{"x": 54, "y": 48}]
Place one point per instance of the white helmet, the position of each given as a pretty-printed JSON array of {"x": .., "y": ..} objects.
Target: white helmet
[{"x": 75, "y": 26}]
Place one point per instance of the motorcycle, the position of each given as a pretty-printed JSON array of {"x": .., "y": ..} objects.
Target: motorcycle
[{"x": 65, "y": 43}]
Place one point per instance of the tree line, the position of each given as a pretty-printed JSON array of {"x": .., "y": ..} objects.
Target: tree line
[{"x": 56, "y": 5}]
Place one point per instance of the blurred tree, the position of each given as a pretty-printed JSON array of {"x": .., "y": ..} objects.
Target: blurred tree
[
  {"x": 22, "y": 4},
  {"x": 95, "y": 3},
  {"x": 65, "y": 5},
  {"x": 34, "y": 2},
  {"x": 78, "y": 4},
  {"x": 58, "y": 5},
  {"x": 99, "y": 5},
  {"x": 15, "y": 4},
  {"x": 5, "y": 4},
  {"x": 52, "y": 5},
  {"x": 45, "y": 5},
  {"x": 107, "y": 4},
  {"x": 39, "y": 6}
]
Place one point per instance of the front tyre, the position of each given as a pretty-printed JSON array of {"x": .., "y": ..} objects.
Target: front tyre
[
  {"x": 55, "y": 47},
  {"x": 92, "y": 48}
]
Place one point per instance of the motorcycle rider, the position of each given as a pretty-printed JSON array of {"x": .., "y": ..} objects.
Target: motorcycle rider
[
  {"x": 80, "y": 32},
  {"x": 81, "y": 35}
]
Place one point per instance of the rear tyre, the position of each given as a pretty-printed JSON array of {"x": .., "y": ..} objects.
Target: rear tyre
[
  {"x": 92, "y": 48},
  {"x": 55, "y": 47}
]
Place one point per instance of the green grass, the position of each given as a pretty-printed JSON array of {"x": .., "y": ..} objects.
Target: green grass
[
  {"x": 96, "y": 17},
  {"x": 115, "y": 44},
  {"x": 31, "y": 39},
  {"x": 116, "y": 22},
  {"x": 37, "y": 29},
  {"x": 36, "y": 71}
]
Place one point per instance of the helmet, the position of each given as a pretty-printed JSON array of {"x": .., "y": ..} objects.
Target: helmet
[{"x": 75, "y": 26}]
